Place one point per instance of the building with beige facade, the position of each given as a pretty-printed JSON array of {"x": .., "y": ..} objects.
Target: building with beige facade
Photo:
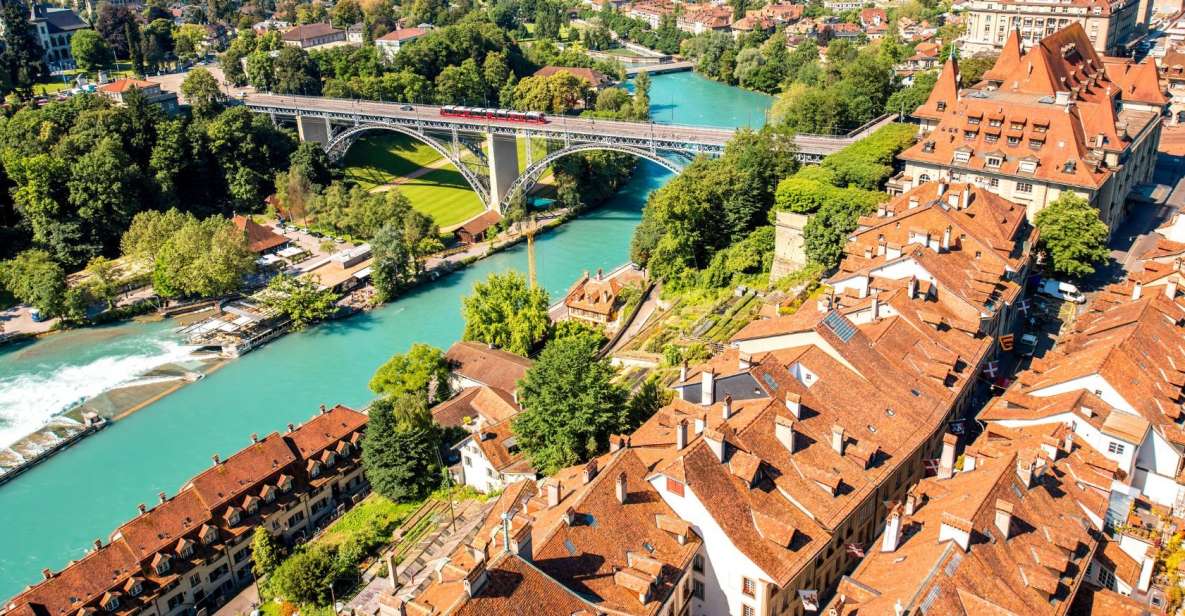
[
  {"x": 1111, "y": 25},
  {"x": 1051, "y": 118}
]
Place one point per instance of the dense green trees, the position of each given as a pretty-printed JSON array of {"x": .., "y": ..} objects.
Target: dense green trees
[
  {"x": 301, "y": 300},
  {"x": 559, "y": 92},
  {"x": 712, "y": 204},
  {"x": 399, "y": 451},
  {"x": 1073, "y": 235},
  {"x": 305, "y": 577},
  {"x": 505, "y": 312},
  {"x": 265, "y": 552},
  {"x": 423, "y": 372},
  {"x": 199, "y": 258},
  {"x": 570, "y": 404}
]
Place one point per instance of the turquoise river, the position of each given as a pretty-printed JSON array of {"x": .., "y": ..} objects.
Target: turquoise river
[{"x": 52, "y": 513}]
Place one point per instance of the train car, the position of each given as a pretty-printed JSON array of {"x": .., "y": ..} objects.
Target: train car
[{"x": 485, "y": 113}]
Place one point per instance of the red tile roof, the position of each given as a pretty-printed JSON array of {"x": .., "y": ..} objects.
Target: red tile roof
[
  {"x": 478, "y": 362},
  {"x": 259, "y": 238}
]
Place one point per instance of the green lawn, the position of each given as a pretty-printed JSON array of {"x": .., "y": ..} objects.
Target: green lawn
[
  {"x": 444, "y": 195},
  {"x": 374, "y": 512},
  {"x": 623, "y": 52},
  {"x": 378, "y": 159}
]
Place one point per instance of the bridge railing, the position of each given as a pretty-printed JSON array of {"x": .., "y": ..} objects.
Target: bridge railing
[{"x": 857, "y": 132}]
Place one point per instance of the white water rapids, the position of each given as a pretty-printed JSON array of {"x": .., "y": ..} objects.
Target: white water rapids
[{"x": 36, "y": 393}]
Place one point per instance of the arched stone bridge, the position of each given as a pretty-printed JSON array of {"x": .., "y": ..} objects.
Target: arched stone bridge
[{"x": 337, "y": 123}]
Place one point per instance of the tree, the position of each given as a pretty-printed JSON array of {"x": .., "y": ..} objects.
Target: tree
[
  {"x": 345, "y": 14},
  {"x": 201, "y": 91},
  {"x": 150, "y": 230},
  {"x": 187, "y": 41},
  {"x": 22, "y": 58},
  {"x": 306, "y": 576},
  {"x": 302, "y": 300},
  {"x": 112, "y": 24},
  {"x": 461, "y": 85},
  {"x": 311, "y": 161},
  {"x": 103, "y": 281},
  {"x": 570, "y": 404},
  {"x": 105, "y": 189},
  {"x": 505, "y": 312},
  {"x": 295, "y": 72},
  {"x": 204, "y": 258},
  {"x": 90, "y": 51},
  {"x": 400, "y": 450},
  {"x": 35, "y": 279},
  {"x": 265, "y": 551},
  {"x": 1073, "y": 235},
  {"x": 557, "y": 93},
  {"x": 135, "y": 46},
  {"x": 393, "y": 270},
  {"x": 422, "y": 371}
]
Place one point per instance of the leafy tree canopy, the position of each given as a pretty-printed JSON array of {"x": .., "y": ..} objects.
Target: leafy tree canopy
[
  {"x": 1073, "y": 235},
  {"x": 505, "y": 312}
]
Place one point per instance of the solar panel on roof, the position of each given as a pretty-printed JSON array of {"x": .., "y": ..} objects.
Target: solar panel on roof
[
  {"x": 841, "y": 327},
  {"x": 930, "y": 598},
  {"x": 769, "y": 380}
]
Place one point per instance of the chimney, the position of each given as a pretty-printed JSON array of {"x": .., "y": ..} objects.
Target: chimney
[
  {"x": 707, "y": 390},
  {"x": 1049, "y": 446},
  {"x": 941, "y": 187},
  {"x": 1068, "y": 443},
  {"x": 794, "y": 403},
  {"x": 913, "y": 287},
  {"x": 1146, "y": 566},
  {"x": 913, "y": 201},
  {"x": 621, "y": 488},
  {"x": 98, "y": 544},
  {"x": 161, "y": 497},
  {"x": 969, "y": 460},
  {"x": 898, "y": 609},
  {"x": 553, "y": 493},
  {"x": 1003, "y": 518},
  {"x": 715, "y": 441},
  {"x": 681, "y": 435},
  {"x": 946, "y": 238},
  {"x": 1136, "y": 290},
  {"x": 254, "y": 437},
  {"x": 911, "y": 501},
  {"x": 784, "y": 432},
  {"x": 590, "y": 471},
  {"x": 683, "y": 372},
  {"x": 699, "y": 425},
  {"x": 744, "y": 361},
  {"x": 946, "y": 464},
  {"x": 953, "y": 200},
  {"x": 216, "y": 459},
  {"x": 1170, "y": 289},
  {"x": 600, "y": 273},
  {"x": 47, "y": 573},
  {"x": 892, "y": 536},
  {"x": 291, "y": 428},
  {"x": 143, "y": 508},
  {"x": 964, "y": 198},
  {"x": 837, "y": 438},
  {"x": 876, "y": 308},
  {"x": 726, "y": 408},
  {"x": 616, "y": 441},
  {"x": 323, "y": 411},
  {"x": 955, "y": 529}
]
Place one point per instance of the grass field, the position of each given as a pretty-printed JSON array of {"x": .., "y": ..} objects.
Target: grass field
[
  {"x": 441, "y": 193},
  {"x": 380, "y": 158},
  {"x": 444, "y": 195}
]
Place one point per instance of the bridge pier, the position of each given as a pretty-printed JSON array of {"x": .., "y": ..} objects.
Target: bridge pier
[
  {"x": 314, "y": 129},
  {"x": 503, "y": 166}
]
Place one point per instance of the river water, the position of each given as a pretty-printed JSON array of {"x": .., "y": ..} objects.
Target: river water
[{"x": 52, "y": 513}]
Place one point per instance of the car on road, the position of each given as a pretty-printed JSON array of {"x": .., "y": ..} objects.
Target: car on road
[
  {"x": 406, "y": 108},
  {"x": 1028, "y": 344},
  {"x": 1061, "y": 290}
]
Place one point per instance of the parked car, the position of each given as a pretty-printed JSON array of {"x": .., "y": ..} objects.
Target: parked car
[
  {"x": 1061, "y": 290},
  {"x": 1028, "y": 344},
  {"x": 406, "y": 108}
]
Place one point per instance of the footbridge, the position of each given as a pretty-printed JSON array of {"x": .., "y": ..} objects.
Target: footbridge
[{"x": 487, "y": 152}]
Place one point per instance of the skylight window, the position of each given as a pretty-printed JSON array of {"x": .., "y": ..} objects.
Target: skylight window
[{"x": 841, "y": 327}]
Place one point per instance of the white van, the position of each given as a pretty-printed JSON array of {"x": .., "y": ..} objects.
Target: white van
[{"x": 1061, "y": 290}]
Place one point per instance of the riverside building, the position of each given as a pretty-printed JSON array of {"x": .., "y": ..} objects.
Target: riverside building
[
  {"x": 192, "y": 551},
  {"x": 1052, "y": 118}
]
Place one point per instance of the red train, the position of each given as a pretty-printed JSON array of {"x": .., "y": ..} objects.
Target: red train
[{"x": 483, "y": 113}]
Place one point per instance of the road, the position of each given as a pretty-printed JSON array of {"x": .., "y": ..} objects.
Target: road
[{"x": 637, "y": 134}]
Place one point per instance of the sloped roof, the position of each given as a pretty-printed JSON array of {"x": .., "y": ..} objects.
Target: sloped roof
[
  {"x": 479, "y": 362},
  {"x": 259, "y": 238}
]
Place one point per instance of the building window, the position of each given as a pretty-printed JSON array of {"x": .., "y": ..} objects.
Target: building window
[
  {"x": 962, "y": 157},
  {"x": 1116, "y": 448},
  {"x": 176, "y": 600},
  {"x": 1106, "y": 578},
  {"x": 747, "y": 610},
  {"x": 991, "y": 138},
  {"x": 1024, "y": 187},
  {"x": 994, "y": 182},
  {"x": 195, "y": 581},
  {"x": 466, "y": 461},
  {"x": 674, "y": 487},
  {"x": 993, "y": 161},
  {"x": 748, "y": 586},
  {"x": 697, "y": 563},
  {"x": 490, "y": 473},
  {"x": 1013, "y": 140},
  {"x": 697, "y": 589},
  {"x": 941, "y": 105}
]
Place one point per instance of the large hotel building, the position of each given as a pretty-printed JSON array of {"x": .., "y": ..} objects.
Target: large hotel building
[{"x": 1110, "y": 25}]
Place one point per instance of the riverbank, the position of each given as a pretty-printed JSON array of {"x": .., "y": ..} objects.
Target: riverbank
[{"x": 55, "y": 510}]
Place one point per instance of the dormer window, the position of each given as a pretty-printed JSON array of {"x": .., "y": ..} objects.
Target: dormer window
[
  {"x": 162, "y": 564},
  {"x": 252, "y": 505},
  {"x": 941, "y": 105},
  {"x": 285, "y": 483},
  {"x": 928, "y": 147},
  {"x": 1013, "y": 140},
  {"x": 314, "y": 469},
  {"x": 136, "y": 588},
  {"x": 1035, "y": 144},
  {"x": 329, "y": 458},
  {"x": 995, "y": 123},
  {"x": 232, "y": 516},
  {"x": 962, "y": 156},
  {"x": 1018, "y": 125},
  {"x": 185, "y": 548},
  {"x": 973, "y": 121},
  {"x": 112, "y": 603},
  {"x": 993, "y": 161},
  {"x": 991, "y": 137},
  {"x": 1039, "y": 128},
  {"x": 968, "y": 134},
  {"x": 1028, "y": 165},
  {"x": 1069, "y": 167},
  {"x": 343, "y": 448},
  {"x": 268, "y": 494},
  {"x": 208, "y": 535}
]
